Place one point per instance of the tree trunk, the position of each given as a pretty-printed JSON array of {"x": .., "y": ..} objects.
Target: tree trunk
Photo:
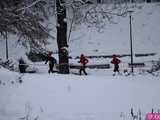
[
  {"x": 62, "y": 37},
  {"x": 99, "y": 1},
  {"x": 148, "y": 1}
]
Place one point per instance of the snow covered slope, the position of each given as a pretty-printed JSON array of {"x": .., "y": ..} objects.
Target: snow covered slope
[{"x": 115, "y": 37}]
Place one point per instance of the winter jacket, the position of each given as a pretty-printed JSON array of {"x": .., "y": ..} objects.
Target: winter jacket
[
  {"x": 83, "y": 60},
  {"x": 51, "y": 60},
  {"x": 115, "y": 61},
  {"x": 22, "y": 66}
]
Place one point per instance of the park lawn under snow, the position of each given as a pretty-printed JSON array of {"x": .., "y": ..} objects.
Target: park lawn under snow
[
  {"x": 98, "y": 96},
  {"x": 70, "y": 97}
]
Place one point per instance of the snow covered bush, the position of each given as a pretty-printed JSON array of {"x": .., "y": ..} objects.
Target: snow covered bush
[
  {"x": 9, "y": 64},
  {"x": 155, "y": 70}
]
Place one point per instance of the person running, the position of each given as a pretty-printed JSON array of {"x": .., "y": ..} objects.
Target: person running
[
  {"x": 83, "y": 61},
  {"x": 116, "y": 62},
  {"x": 22, "y": 66},
  {"x": 52, "y": 61}
]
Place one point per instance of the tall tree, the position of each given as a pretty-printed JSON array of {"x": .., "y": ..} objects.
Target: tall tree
[{"x": 62, "y": 37}]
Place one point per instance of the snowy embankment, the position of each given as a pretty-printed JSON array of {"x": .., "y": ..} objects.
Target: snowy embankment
[{"x": 61, "y": 97}]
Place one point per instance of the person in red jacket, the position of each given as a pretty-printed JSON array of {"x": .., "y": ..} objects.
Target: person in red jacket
[
  {"x": 83, "y": 61},
  {"x": 116, "y": 62}
]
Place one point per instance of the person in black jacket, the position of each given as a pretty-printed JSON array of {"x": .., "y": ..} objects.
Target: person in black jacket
[
  {"x": 22, "y": 66},
  {"x": 52, "y": 61}
]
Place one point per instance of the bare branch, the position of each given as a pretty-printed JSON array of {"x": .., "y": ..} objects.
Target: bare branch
[{"x": 29, "y": 6}]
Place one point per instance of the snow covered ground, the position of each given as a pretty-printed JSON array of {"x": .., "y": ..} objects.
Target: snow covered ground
[
  {"x": 70, "y": 97},
  {"x": 98, "y": 96}
]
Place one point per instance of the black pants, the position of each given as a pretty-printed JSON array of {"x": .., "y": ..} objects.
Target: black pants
[
  {"x": 116, "y": 68},
  {"x": 51, "y": 68},
  {"x": 22, "y": 68},
  {"x": 83, "y": 69}
]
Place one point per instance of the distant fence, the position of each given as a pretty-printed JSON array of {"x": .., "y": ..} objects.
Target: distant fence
[
  {"x": 98, "y": 66},
  {"x": 123, "y": 1},
  {"x": 136, "y": 65},
  {"x": 118, "y": 55}
]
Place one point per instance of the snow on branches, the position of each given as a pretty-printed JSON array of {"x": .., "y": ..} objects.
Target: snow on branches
[{"x": 25, "y": 19}]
